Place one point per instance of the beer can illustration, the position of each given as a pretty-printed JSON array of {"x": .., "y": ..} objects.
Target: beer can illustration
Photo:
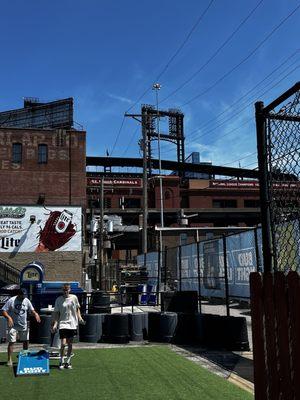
[{"x": 63, "y": 221}]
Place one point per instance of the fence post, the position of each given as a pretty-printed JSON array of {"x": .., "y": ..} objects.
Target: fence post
[
  {"x": 158, "y": 277},
  {"x": 165, "y": 262},
  {"x": 199, "y": 277},
  {"x": 226, "y": 276},
  {"x": 258, "y": 268},
  {"x": 180, "y": 266},
  {"x": 262, "y": 152}
]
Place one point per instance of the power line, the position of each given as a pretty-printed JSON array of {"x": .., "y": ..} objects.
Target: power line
[
  {"x": 185, "y": 40},
  {"x": 165, "y": 67},
  {"x": 249, "y": 91},
  {"x": 174, "y": 55},
  {"x": 214, "y": 54},
  {"x": 191, "y": 135},
  {"x": 243, "y": 108},
  {"x": 243, "y": 60},
  {"x": 131, "y": 140},
  {"x": 118, "y": 135}
]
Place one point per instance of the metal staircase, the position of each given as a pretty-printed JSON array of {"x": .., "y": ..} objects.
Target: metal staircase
[{"x": 8, "y": 274}]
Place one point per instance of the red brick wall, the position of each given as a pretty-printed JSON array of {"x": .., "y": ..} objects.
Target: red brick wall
[{"x": 62, "y": 179}]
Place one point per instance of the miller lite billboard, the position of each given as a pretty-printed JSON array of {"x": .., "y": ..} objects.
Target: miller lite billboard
[{"x": 39, "y": 229}]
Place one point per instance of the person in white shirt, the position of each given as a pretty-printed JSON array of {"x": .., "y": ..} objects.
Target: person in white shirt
[
  {"x": 15, "y": 311},
  {"x": 66, "y": 316}
]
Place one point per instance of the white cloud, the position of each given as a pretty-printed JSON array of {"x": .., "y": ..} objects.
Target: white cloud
[{"x": 120, "y": 98}]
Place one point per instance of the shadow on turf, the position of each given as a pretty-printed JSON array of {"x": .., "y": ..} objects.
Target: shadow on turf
[
  {"x": 228, "y": 360},
  {"x": 14, "y": 368}
]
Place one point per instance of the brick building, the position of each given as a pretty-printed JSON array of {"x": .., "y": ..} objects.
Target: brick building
[
  {"x": 217, "y": 203},
  {"x": 43, "y": 166}
]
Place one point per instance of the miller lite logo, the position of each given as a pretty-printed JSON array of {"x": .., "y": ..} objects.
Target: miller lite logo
[{"x": 63, "y": 221}]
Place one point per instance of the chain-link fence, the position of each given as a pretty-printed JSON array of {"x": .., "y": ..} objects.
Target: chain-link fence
[{"x": 278, "y": 136}]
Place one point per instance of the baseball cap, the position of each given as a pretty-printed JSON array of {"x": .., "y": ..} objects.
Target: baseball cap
[{"x": 22, "y": 292}]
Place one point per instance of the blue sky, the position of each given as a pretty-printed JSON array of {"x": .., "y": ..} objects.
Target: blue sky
[{"x": 106, "y": 54}]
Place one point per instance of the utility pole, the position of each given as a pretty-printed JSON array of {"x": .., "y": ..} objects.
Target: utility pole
[
  {"x": 101, "y": 229},
  {"x": 157, "y": 87},
  {"x": 144, "y": 146},
  {"x": 145, "y": 184}
]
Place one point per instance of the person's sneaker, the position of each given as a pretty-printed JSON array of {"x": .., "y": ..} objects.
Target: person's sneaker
[
  {"x": 61, "y": 366},
  {"x": 9, "y": 363},
  {"x": 68, "y": 366}
]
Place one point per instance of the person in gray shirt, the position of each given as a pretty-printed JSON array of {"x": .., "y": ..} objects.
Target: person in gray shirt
[{"x": 15, "y": 311}]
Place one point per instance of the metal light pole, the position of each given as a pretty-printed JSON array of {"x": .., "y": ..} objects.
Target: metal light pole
[{"x": 156, "y": 87}]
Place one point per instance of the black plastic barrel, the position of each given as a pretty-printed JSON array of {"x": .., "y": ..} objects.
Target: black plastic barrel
[
  {"x": 184, "y": 301},
  {"x": 132, "y": 295},
  {"x": 200, "y": 328},
  {"x": 145, "y": 326},
  {"x": 43, "y": 330},
  {"x": 236, "y": 336},
  {"x": 136, "y": 326},
  {"x": 222, "y": 332},
  {"x": 3, "y": 325},
  {"x": 154, "y": 326},
  {"x": 185, "y": 332},
  {"x": 99, "y": 303},
  {"x": 40, "y": 333},
  {"x": 168, "y": 323},
  {"x": 161, "y": 326},
  {"x": 116, "y": 328},
  {"x": 91, "y": 332}
]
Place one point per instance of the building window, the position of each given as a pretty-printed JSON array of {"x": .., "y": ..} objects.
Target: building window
[
  {"x": 17, "y": 153},
  {"x": 222, "y": 203},
  {"x": 107, "y": 202},
  {"x": 132, "y": 203},
  {"x": 167, "y": 195},
  {"x": 250, "y": 203},
  {"x": 43, "y": 154}
]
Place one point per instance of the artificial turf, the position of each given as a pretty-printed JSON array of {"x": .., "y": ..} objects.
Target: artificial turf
[{"x": 143, "y": 373}]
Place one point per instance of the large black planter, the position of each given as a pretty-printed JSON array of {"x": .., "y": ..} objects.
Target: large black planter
[
  {"x": 116, "y": 328},
  {"x": 41, "y": 332},
  {"x": 185, "y": 332},
  {"x": 222, "y": 332},
  {"x": 99, "y": 303},
  {"x": 161, "y": 326},
  {"x": 91, "y": 332},
  {"x": 184, "y": 301},
  {"x": 136, "y": 326},
  {"x": 3, "y": 324}
]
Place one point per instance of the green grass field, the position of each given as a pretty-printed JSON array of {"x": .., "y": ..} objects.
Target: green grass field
[{"x": 142, "y": 373}]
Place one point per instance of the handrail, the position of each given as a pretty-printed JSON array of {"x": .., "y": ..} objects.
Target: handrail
[{"x": 8, "y": 273}]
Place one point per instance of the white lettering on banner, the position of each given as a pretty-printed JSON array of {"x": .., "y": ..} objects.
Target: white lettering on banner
[
  {"x": 32, "y": 370},
  {"x": 185, "y": 268},
  {"x": 116, "y": 182},
  {"x": 245, "y": 259},
  {"x": 243, "y": 274},
  {"x": 241, "y": 184},
  {"x": 234, "y": 184}
]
